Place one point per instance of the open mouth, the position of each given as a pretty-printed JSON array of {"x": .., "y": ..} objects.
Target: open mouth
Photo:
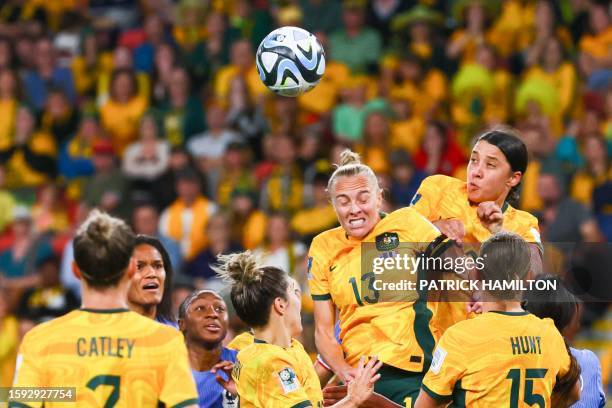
[
  {"x": 215, "y": 328},
  {"x": 153, "y": 286},
  {"x": 357, "y": 222}
]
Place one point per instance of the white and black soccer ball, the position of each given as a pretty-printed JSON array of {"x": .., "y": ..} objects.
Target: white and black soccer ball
[{"x": 290, "y": 61}]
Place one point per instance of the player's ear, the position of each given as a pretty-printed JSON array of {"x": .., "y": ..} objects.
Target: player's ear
[
  {"x": 131, "y": 268},
  {"x": 75, "y": 271},
  {"x": 279, "y": 306},
  {"x": 515, "y": 179},
  {"x": 181, "y": 325}
]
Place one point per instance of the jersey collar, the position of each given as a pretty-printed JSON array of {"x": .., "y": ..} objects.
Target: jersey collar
[{"x": 118, "y": 310}]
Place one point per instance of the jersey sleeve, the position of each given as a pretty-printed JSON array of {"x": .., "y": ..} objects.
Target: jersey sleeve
[
  {"x": 446, "y": 368},
  {"x": 531, "y": 232},
  {"x": 279, "y": 386},
  {"x": 28, "y": 371},
  {"x": 318, "y": 271},
  {"x": 178, "y": 388},
  {"x": 427, "y": 197}
]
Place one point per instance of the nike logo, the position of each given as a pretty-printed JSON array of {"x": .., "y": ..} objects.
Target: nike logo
[{"x": 331, "y": 268}]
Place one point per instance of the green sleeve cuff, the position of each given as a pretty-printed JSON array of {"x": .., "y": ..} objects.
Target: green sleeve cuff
[
  {"x": 325, "y": 296},
  {"x": 434, "y": 395},
  {"x": 186, "y": 403},
  {"x": 303, "y": 404}
]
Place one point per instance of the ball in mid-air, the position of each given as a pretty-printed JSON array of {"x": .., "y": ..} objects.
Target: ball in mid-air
[{"x": 290, "y": 61}]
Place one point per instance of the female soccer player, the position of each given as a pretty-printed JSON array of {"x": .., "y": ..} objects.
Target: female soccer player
[
  {"x": 113, "y": 356},
  {"x": 470, "y": 212},
  {"x": 275, "y": 371},
  {"x": 150, "y": 292},
  {"x": 203, "y": 320},
  {"x": 505, "y": 357},
  {"x": 398, "y": 332}
]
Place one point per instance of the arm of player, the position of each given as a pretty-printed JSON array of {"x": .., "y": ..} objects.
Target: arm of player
[
  {"x": 334, "y": 394},
  {"x": 445, "y": 370},
  {"x": 325, "y": 340},
  {"x": 178, "y": 386},
  {"x": 28, "y": 372}
]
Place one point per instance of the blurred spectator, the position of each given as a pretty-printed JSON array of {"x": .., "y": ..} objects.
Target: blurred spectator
[
  {"x": 185, "y": 219},
  {"x": 244, "y": 115},
  {"x": 539, "y": 145},
  {"x": 46, "y": 74},
  {"x": 163, "y": 191},
  {"x": 208, "y": 147},
  {"x": 408, "y": 129},
  {"x": 89, "y": 65},
  {"x": 183, "y": 287},
  {"x": 348, "y": 118},
  {"x": 464, "y": 42},
  {"x": 235, "y": 173},
  {"x": 242, "y": 62},
  {"x": 545, "y": 30},
  {"x": 596, "y": 171},
  {"x": 283, "y": 189},
  {"x": 219, "y": 40},
  {"x": 439, "y": 152},
  {"x": 595, "y": 48},
  {"x": 563, "y": 219},
  {"x": 49, "y": 213},
  {"x": 145, "y": 221},
  {"x": 321, "y": 15},
  {"x": 30, "y": 160},
  {"x": 107, "y": 188},
  {"x": 417, "y": 34},
  {"x": 320, "y": 216},
  {"x": 9, "y": 341},
  {"x": 49, "y": 299},
  {"x": 356, "y": 45},
  {"x": 164, "y": 64},
  {"x": 59, "y": 118},
  {"x": 219, "y": 235},
  {"x": 374, "y": 149},
  {"x": 9, "y": 102},
  {"x": 183, "y": 116},
  {"x": 251, "y": 22},
  {"x": 146, "y": 160},
  {"x": 279, "y": 249},
  {"x": 121, "y": 115},
  {"x": 247, "y": 221},
  {"x": 18, "y": 263},
  {"x": 75, "y": 156},
  {"x": 121, "y": 60},
  {"x": 405, "y": 178},
  {"x": 7, "y": 202},
  {"x": 144, "y": 54},
  {"x": 380, "y": 14}
]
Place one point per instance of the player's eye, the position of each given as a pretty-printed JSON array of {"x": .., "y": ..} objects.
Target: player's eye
[
  {"x": 491, "y": 165},
  {"x": 473, "y": 159},
  {"x": 219, "y": 309},
  {"x": 158, "y": 265}
]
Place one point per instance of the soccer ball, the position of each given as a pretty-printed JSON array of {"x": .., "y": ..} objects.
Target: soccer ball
[{"x": 290, "y": 61}]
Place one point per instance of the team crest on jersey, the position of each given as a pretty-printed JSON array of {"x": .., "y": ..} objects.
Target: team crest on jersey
[
  {"x": 387, "y": 241},
  {"x": 438, "y": 358},
  {"x": 288, "y": 380}
]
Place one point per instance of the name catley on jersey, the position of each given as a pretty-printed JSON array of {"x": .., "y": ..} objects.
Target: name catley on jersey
[{"x": 113, "y": 357}]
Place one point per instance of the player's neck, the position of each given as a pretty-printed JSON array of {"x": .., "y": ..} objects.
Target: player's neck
[
  {"x": 274, "y": 333},
  {"x": 104, "y": 299},
  {"x": 149, "y": 311},
  {"x": 202, "y": 358},
  {"x": 492, "y": 305}
]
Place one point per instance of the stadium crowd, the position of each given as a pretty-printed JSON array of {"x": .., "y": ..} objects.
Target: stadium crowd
[{"x": 153, "y": 111}]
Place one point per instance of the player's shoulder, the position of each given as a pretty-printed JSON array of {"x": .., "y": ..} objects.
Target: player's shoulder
[
  {"x": 52, "y": 327},
  {"x": 260, "y": 354},
  {"x": 328, "y": 238},
  {"x": 241, "y": 341},
  {"x": 522, "y": 217},
  {"x": 440, "y": 181}
]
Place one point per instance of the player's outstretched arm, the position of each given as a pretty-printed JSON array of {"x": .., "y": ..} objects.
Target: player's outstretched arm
[
  {"x": 334, "y": 394},
  {"x": 327, "y": 345},
  {"x": 424, "y": 400}
]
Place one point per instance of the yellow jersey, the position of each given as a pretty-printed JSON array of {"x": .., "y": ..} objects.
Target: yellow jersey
[
  {"x": 114, "y": 358},
  {"x": 270, "y": 376},
  {"x": 441, "y": 197},
  {"x": 398, "y": 332},
  {"x": 241, "y": 341},
  {"x": 514, "y": 365}
]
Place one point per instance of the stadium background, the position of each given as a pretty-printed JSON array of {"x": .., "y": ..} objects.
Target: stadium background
[{"x": 148, "y": 108}]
